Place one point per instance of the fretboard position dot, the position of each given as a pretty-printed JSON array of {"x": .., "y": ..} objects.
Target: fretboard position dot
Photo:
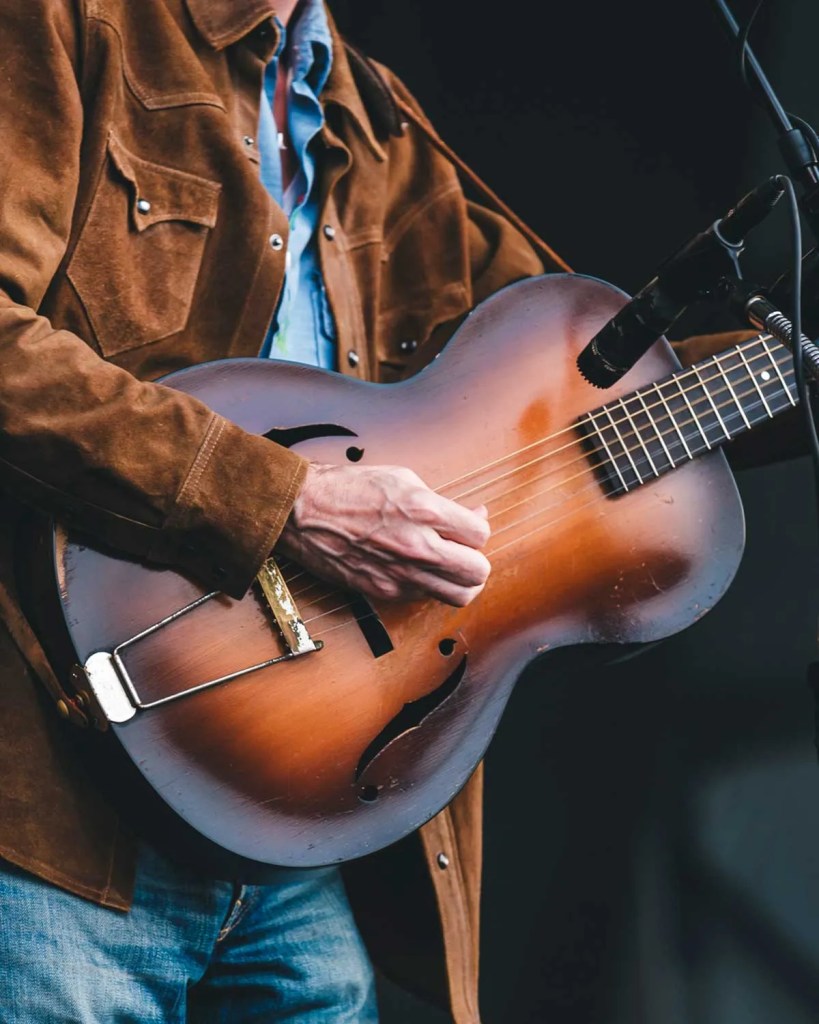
[{"x": 765, "y": 375}]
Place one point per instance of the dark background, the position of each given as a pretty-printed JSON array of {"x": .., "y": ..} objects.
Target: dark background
[{"x": 652, "y": 849}]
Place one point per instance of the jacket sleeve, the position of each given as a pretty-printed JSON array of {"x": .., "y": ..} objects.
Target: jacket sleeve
[
  {"x": 783, "y": 437},
  {"x": 137, "y": 465}
]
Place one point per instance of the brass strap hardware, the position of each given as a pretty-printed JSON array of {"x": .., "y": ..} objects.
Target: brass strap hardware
[{"x": 278, "y": 596}]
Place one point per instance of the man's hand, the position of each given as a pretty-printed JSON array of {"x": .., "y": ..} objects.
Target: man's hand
[{"x": 381, "y": 531}]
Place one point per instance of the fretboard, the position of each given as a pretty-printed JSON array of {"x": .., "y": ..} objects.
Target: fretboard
[{"x": 658, "y": 427}]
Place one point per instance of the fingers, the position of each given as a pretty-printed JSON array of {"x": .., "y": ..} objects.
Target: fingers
[
  {"x": 456, "y": 522},
  {"x": 422, "y": 586},
  {"x": 382, "y": 531},
  {"x": 462, "y": 565}
]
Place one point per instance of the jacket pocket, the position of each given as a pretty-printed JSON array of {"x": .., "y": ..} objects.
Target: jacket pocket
[{"x": 137, "y": 259}]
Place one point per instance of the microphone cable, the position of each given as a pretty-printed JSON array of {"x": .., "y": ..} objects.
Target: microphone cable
[{"x": 805, "y": 390}]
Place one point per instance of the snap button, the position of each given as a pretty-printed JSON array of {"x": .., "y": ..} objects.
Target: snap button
[
  {"x": 408, "y": 346},
  {"x": 443, "y": 861},
  {"x": 352, "y": 358},
  {"x": 143, "y": 206},
  {"x": 329, "y": 231},
  {"x": 276, "y": 242},
  {"x": 248, "y": 140}
]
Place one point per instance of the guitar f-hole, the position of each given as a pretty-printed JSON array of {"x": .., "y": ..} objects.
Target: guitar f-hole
[{"x": 410, "y": 717}]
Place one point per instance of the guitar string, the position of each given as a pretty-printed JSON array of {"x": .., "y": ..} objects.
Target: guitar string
[
  {"x": 538, "y": 512},
  {"x": 765, "y": 354},
  {"x": 509, "y": 544},
  {"x": 625, "y": 420},
  {"x": 716, "y": 361},
  {"x": 638, "y": 448},
  {"x": 496, "y": 551}
]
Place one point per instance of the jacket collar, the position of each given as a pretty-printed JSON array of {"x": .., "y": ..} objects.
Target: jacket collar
[
  {"x": 341, "y": 89},
  {"x": 221, "y": 23},
  {"x": 224, "y": 22}
]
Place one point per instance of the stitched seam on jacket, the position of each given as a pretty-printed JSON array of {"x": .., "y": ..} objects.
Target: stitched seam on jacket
[
  {"x": 451, "y": 290},
  {"x": 251, "y": 20},
  {"x": 404, "y": 221},
  {"x": 200, "y": 462},
  {"x": 112, "y": 860},
  {"x": 177, "y": 99},
  {"x": 465, "y": 924},
  {"x": 71, "y": 883},
  {"x": 266, "y": 546}
]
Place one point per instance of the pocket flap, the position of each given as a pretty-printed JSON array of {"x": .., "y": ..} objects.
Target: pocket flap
[{"x": 161, "y": 193}]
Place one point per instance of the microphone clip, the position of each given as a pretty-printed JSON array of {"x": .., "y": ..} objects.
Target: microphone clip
[{"x": 705, "y": 267}]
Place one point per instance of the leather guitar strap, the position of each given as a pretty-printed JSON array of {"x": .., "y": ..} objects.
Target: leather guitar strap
[{"x": 27, "y": 644}]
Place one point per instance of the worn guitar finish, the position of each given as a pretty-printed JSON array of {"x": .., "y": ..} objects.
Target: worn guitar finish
[{"x": 345, "y": 749}]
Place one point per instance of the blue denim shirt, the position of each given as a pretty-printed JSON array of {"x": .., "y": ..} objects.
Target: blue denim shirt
[{"x": 302, "y": 329}]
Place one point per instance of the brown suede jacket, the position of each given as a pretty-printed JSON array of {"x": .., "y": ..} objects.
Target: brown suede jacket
[{"x": 137, "y": 239}]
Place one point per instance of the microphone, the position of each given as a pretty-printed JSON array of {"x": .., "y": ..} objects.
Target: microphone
[{"x": 694, "y": 271}]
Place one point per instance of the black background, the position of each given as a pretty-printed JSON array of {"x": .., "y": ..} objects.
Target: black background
[{"x": 652, "y": 852}]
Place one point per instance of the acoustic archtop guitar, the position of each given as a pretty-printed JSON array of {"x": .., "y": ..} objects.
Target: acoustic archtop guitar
[{"x": 303, "y": 725}]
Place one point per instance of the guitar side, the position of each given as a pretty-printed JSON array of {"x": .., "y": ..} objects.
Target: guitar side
[{"x": 347, "y": 748}]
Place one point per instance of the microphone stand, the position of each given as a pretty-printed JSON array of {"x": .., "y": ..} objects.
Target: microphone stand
[
  {"x": 800, "y": 159},
  {"x": 793, "y": 145}
]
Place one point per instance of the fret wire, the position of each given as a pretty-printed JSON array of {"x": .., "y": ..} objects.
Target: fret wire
[
  {"x": 676, "y": 380},
  {"x": 539, "y": 512},
  {"x": 713, "y": 406},
  {"x": 532, "y": 515},
  {"x": 693, "y": 414},
  {"x": 657, "y": 431},
  {"x": 681, "y": 376},
  {"x": 673, "y": 419},
  {"x": 590, "y": 420},
  {"x": 752, "y": 375},
  {"x": 544, "y": 526},
  {"x": 606, "y": 410},
  {"x": 776, "y": 367},
  {"x": 582, "y": 458},
  {"x": 612, "y": 460},
  {"x": 639, "y": 437},
  {"x": 737, "y": 402}
]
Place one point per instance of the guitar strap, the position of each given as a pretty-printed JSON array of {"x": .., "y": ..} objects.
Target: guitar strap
[{"x": 68, "y": 707}]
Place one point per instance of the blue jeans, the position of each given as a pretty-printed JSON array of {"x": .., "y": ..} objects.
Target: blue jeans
[{"x": 189, "y": 950}]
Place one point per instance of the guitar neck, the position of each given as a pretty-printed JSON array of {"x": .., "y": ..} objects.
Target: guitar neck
[{"x": 642, "y": 435}]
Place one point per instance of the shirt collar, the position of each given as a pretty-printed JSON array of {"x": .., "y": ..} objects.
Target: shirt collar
[
  {"x": 311, "y": 45},
  {"x": 224, "y": 22}
]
